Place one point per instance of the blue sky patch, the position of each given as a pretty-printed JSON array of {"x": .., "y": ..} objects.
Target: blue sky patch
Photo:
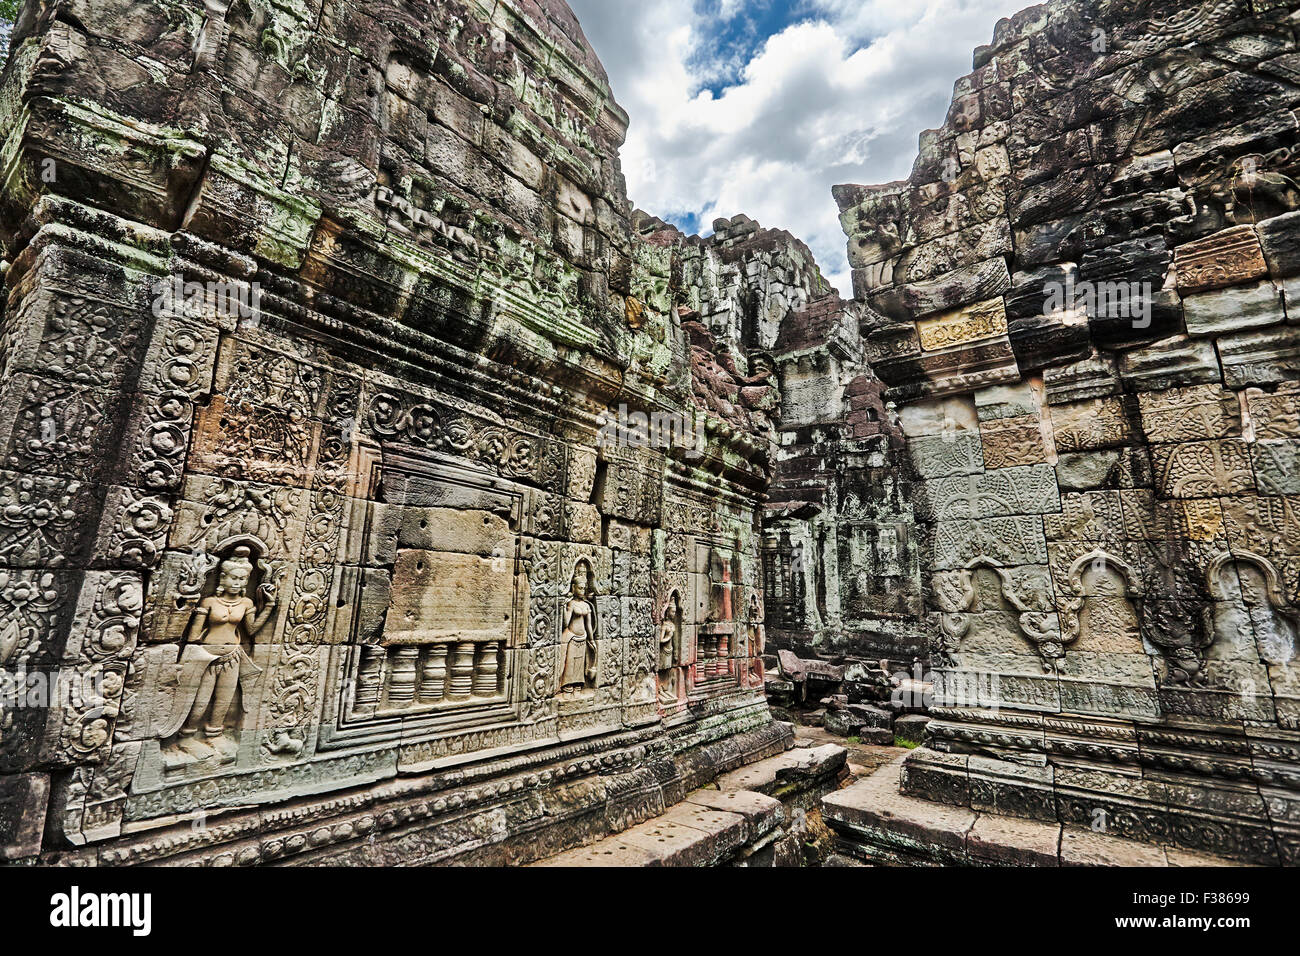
[
  {"x": 724, "y": 120},
  {"x": 732, "y": 41},
  {"x": 688, "y": 222}
]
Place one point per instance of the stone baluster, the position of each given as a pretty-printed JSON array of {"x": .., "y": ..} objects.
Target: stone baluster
[
  {"x": 433, "y": 677},
  {"x": 487, "y": 669},
  {"x": 403, "y": 677},
  {"x": 462, "y": 672},
  {"x": 370, "y": 681}
]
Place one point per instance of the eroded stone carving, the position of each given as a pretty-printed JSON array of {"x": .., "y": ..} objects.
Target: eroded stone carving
[
  {"x": 670, "y": 651},
  {"x": 984, "y": 585},
  {"x": 1251, "y": 617},
  {"x": 452, "y": 288},
  {"x": 1104, "y": 611}
]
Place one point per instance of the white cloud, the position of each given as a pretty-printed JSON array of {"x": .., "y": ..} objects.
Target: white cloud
[{"x": 839, "y": 96}]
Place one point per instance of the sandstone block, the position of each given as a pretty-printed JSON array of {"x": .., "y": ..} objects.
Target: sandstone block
[
  {"x": 966, "y": 325},
  {"x": 1227, "y": 258},
  {"x": 1230, "y": 311}
]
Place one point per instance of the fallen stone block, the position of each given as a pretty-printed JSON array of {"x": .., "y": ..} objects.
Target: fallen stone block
[
  {"x": 874, "y": 717},
  {"x": 911, "y": 728},
  {"x": 876, "y": 736},
  {"x": 813, "y": 718},
  {"x": 872, "y": 814},
  {"x": 763, "y": 812},
  {"x": 911, "y": 695},
  {"x": 803, "y": 767},
  {"x": 842, "y": 723},
  {"x": 801, "y": 670}
]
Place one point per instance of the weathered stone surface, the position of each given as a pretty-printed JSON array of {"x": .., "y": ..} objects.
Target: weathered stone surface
[
  {"x": 1269, "y": 357},
  {"x": 22, "y": 814},
  {"x": 1009, "y": 442},
  {"x": 1190, "y": 414},
  {"x": 1233, "y": 310},
  {"x": 911, "y": 728},
  {"x": 804, "y": 770},
  {"x": 872, "y": 809},
  {"x": 874, "y": 823},
  {"x": 704, "y": 830},
  {"x": 1011, "y": 842},
  {"x": 1169, "y": 364},
  {"x": 1277, "y": 467},
  {"x": 1083, "y": 471},
  {"x": 1227, "y": 258},
  {"x": 1087, "y": 848},
  {"x": 1090, "y": 425},
  {"x": 1089, "y": 378},
  {"x": 966, "y": 286},
  {"x": 873, "y": 717},
  {"x": 380, "y": 470},
  {"x": 1280, "y": 239},
  {"x": 380, "y": 466},
  {"x": 974, "y": 323}
]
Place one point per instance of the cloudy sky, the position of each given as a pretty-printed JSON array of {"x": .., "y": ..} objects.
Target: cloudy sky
[{"x": 760, "y": 106}]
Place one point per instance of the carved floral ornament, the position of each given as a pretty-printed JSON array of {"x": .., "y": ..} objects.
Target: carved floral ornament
[{"x": 512, "y": 454}]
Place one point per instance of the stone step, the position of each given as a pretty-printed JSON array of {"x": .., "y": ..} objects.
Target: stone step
[
  {"x": 746, "y": 810},
  {"x": 803, "y": 767},
  {"x": 708, "y": 828},
  {"x": 875, "y": 823}
]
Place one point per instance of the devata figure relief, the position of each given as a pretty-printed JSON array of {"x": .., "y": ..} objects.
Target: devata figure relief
[
  {"x": 670, "y": 642},
  {"x": 579, "y": 637},
  {"x": 215, "y": 666},
  {"x": 719, "y": 587},
  {"x": 1103, "y": 614}
]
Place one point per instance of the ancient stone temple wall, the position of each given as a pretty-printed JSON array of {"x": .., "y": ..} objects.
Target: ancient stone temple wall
[
  {"x": 840, "y": 554},
  {"x": 1087, "y": 293},
  {"x": 774, "y": 345},
  {"x": 362, "y": 464}
]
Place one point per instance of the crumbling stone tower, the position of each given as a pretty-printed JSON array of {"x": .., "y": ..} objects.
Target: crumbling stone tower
[
  {"x": 1086, "y": 310},
  {"x": 330, "y": 353}
]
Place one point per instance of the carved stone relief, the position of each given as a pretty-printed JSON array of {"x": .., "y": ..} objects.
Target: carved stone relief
[
  {"x": 1251, "y": 618},
  {"x": 1103, "y": 613},
  {"x": 986, "y": 602}
]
